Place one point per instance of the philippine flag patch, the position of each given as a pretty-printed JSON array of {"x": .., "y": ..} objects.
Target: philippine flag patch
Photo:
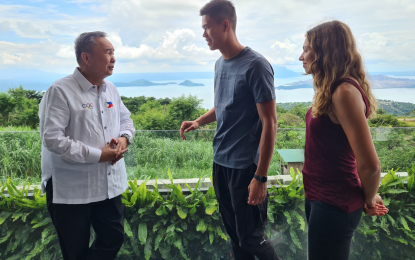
[{"x": 109, "y": 104}]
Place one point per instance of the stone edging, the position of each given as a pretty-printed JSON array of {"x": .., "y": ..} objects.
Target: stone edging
[{"x": 205, "y": 183}]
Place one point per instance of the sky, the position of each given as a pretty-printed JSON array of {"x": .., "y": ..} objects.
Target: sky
[{"x": 166, "y": 35}]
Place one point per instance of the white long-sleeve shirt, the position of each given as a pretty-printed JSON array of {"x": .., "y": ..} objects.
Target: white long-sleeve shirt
[{"x": 76, "y": 122}]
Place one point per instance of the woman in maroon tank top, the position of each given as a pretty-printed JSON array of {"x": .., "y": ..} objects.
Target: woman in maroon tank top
[{"x": 341, "y": 169}]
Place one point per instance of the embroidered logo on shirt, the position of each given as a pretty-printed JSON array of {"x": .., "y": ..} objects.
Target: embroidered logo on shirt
[
  {"x": 109, "y": 104},
  {"x": 88, "y": 106}
]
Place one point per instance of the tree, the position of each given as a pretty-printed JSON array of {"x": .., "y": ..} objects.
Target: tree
[
  {"x": 20, "y": 107},
  {"x": 182, "y": 109}
]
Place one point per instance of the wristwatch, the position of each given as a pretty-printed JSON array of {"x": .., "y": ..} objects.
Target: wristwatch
[
  {"x": 262, "y": 179},
  {"x": 128, "y": 137}
]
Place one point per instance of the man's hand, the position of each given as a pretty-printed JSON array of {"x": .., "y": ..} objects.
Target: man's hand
[
  {"x": 257, "y": 192},
  {"x": 188, "y": 126},
  {"x": 109, "y": 153},
  {"x": 375, "y": 207},
  {"x": 122, "y": 145}
]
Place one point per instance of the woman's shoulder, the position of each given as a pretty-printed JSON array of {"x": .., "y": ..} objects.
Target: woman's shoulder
[{"x": 346, "y": 87}]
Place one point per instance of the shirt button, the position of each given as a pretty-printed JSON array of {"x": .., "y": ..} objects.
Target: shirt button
[
  {"x": 109, "y": 173},
  {"x": 93, "y": 86},
  {"x": 105, "y": 127},
  {"x": 108, "y": 142},
  {"x": 102, "y": 111}
]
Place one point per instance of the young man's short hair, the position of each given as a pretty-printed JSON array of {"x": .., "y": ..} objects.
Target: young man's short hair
[{"x": 219, "y": 10}]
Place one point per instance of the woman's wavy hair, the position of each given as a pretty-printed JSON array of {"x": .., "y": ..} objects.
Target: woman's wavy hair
[{"x": 336, "y": 57}]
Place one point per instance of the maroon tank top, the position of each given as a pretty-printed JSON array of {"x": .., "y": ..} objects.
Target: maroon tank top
[{"x": 330, "y": 172}]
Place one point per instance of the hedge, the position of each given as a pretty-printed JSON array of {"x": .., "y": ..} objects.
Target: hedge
[{"x": 179, "y": 226}]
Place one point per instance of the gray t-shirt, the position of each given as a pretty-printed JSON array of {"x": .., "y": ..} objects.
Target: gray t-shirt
[{"x": 240, "y": 83}]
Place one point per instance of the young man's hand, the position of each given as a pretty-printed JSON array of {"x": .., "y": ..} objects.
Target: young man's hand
[
  {"x": 188, "y": 126},
  {"x": 257, "y": 192}
]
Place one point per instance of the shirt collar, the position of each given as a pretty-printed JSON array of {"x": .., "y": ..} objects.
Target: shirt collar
[{"x": 84, "y": 83}]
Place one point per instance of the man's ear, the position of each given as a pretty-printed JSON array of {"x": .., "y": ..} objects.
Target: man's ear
[
  {"x": 226, "y": 25},
  {"x": 86, "y": 57}
]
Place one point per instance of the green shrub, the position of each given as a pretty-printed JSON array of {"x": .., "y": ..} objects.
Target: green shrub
[{"x": 179, "y": 226}]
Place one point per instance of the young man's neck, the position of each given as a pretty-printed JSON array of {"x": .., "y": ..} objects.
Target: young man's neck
[
  {"x": 231, "y": 48},
  {"x": 93, "y": 80}
]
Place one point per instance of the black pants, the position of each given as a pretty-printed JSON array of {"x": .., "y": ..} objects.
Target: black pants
[
  {"x": 244, "y": 223},
  {"x": 73, "y": 224},
  {"x": 330, "y": 230}
]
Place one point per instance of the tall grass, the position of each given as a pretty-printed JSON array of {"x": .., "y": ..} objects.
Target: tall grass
[
  {"x": 20, "y": 156},
  {"x": 153, "y": 153}
]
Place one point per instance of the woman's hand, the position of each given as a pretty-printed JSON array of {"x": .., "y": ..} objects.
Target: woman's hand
[{"x": 375, "y": 207}]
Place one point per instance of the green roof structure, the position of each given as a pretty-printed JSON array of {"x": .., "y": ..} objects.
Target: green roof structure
[{"x": 291, "y": 155}]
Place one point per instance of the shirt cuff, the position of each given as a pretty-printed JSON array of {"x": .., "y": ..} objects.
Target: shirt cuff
[
  {"x": 94, "y": 155},
  {"x": 126, "y": 132}
]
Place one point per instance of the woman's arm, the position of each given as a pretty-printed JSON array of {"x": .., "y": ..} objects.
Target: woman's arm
[{"x": 349, "y": 108}]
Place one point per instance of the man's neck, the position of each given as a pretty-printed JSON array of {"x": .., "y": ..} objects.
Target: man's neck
[
  {"x": 231, "y": 48},
  {"x": 93, "y": 80}
]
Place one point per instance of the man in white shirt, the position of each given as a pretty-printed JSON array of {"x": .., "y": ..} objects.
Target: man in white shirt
[{"x": 85, "y": 130}]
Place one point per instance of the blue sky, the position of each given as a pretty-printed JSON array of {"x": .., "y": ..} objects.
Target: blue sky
[{"x": 165, "y": 35}]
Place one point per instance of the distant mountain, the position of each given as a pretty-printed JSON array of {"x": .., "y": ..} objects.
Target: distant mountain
[
  {"x": 377, "y": 82},
  {"x": 41, "y": 80},
  {"x": 283, "y": 72},
  {"x": 381, "y": 81},
  {"x": 396, "y": 73},
  {"x": 391, "y": 107},
  {"x": 189, "y": 83},
  {"x": 296, "y": 85},
  {"x": 396, "y": 108},
  {"x": 140, "y": 83}
]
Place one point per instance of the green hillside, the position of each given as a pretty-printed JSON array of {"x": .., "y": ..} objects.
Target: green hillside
[{"x": 391, "y": 107}]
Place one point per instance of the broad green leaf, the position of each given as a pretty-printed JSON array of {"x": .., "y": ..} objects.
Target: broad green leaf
[
  {"x": 127, "y": 228},
  {"x": 404, "y": 223},
  {"x": 390, "y": 219},
  {"x": 295, "y": 239},
  {"x": 210, "y": 209},
  {"x": 411, "y": 181},
  {"x": 9, "y": 232},
  {"x": 288, "y": 217},
  {"x": 161, "y": 210},
  {"x": 4, "y": 215},
  {"x": 394, "y": 191},
  {"x": 193, "y": 211},
  {"x": 410, "y": 219},
  {"x": 220, "y": 233},
  {"x": 189, "y": 188},
  {"x": 211, "y": 237},
  {"x": 142, "y": 233},
  {"x": 157, "y": 241},
  {"x": 182, "y": 212},
  {"x": 300, "y": 220},
  {"x": 170, "y": 176},
  {"x": 201, "y": 226},
  {"x": 148, "y": 248},
  {"x": 43, "y": 222},
  {"x": 178, "y": 242}
]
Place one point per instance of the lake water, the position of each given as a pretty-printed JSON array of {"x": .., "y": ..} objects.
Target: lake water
[{"x": 295, "y": 95}]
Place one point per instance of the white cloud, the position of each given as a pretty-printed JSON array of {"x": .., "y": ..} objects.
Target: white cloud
[
  {"x": 4, "y": 26},
  {"x": 378, "y": 47},
  {"x": 150, "y": 33},
  {"x": 284, "y": 52},
  {"x": 174, "y": 47},
  {"x": 66, "y": 52}
]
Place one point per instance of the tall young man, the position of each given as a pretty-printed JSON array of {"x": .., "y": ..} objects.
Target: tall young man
[
  {"x": 82, "y": 118},
  {"x": 246, "y": 119}
]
